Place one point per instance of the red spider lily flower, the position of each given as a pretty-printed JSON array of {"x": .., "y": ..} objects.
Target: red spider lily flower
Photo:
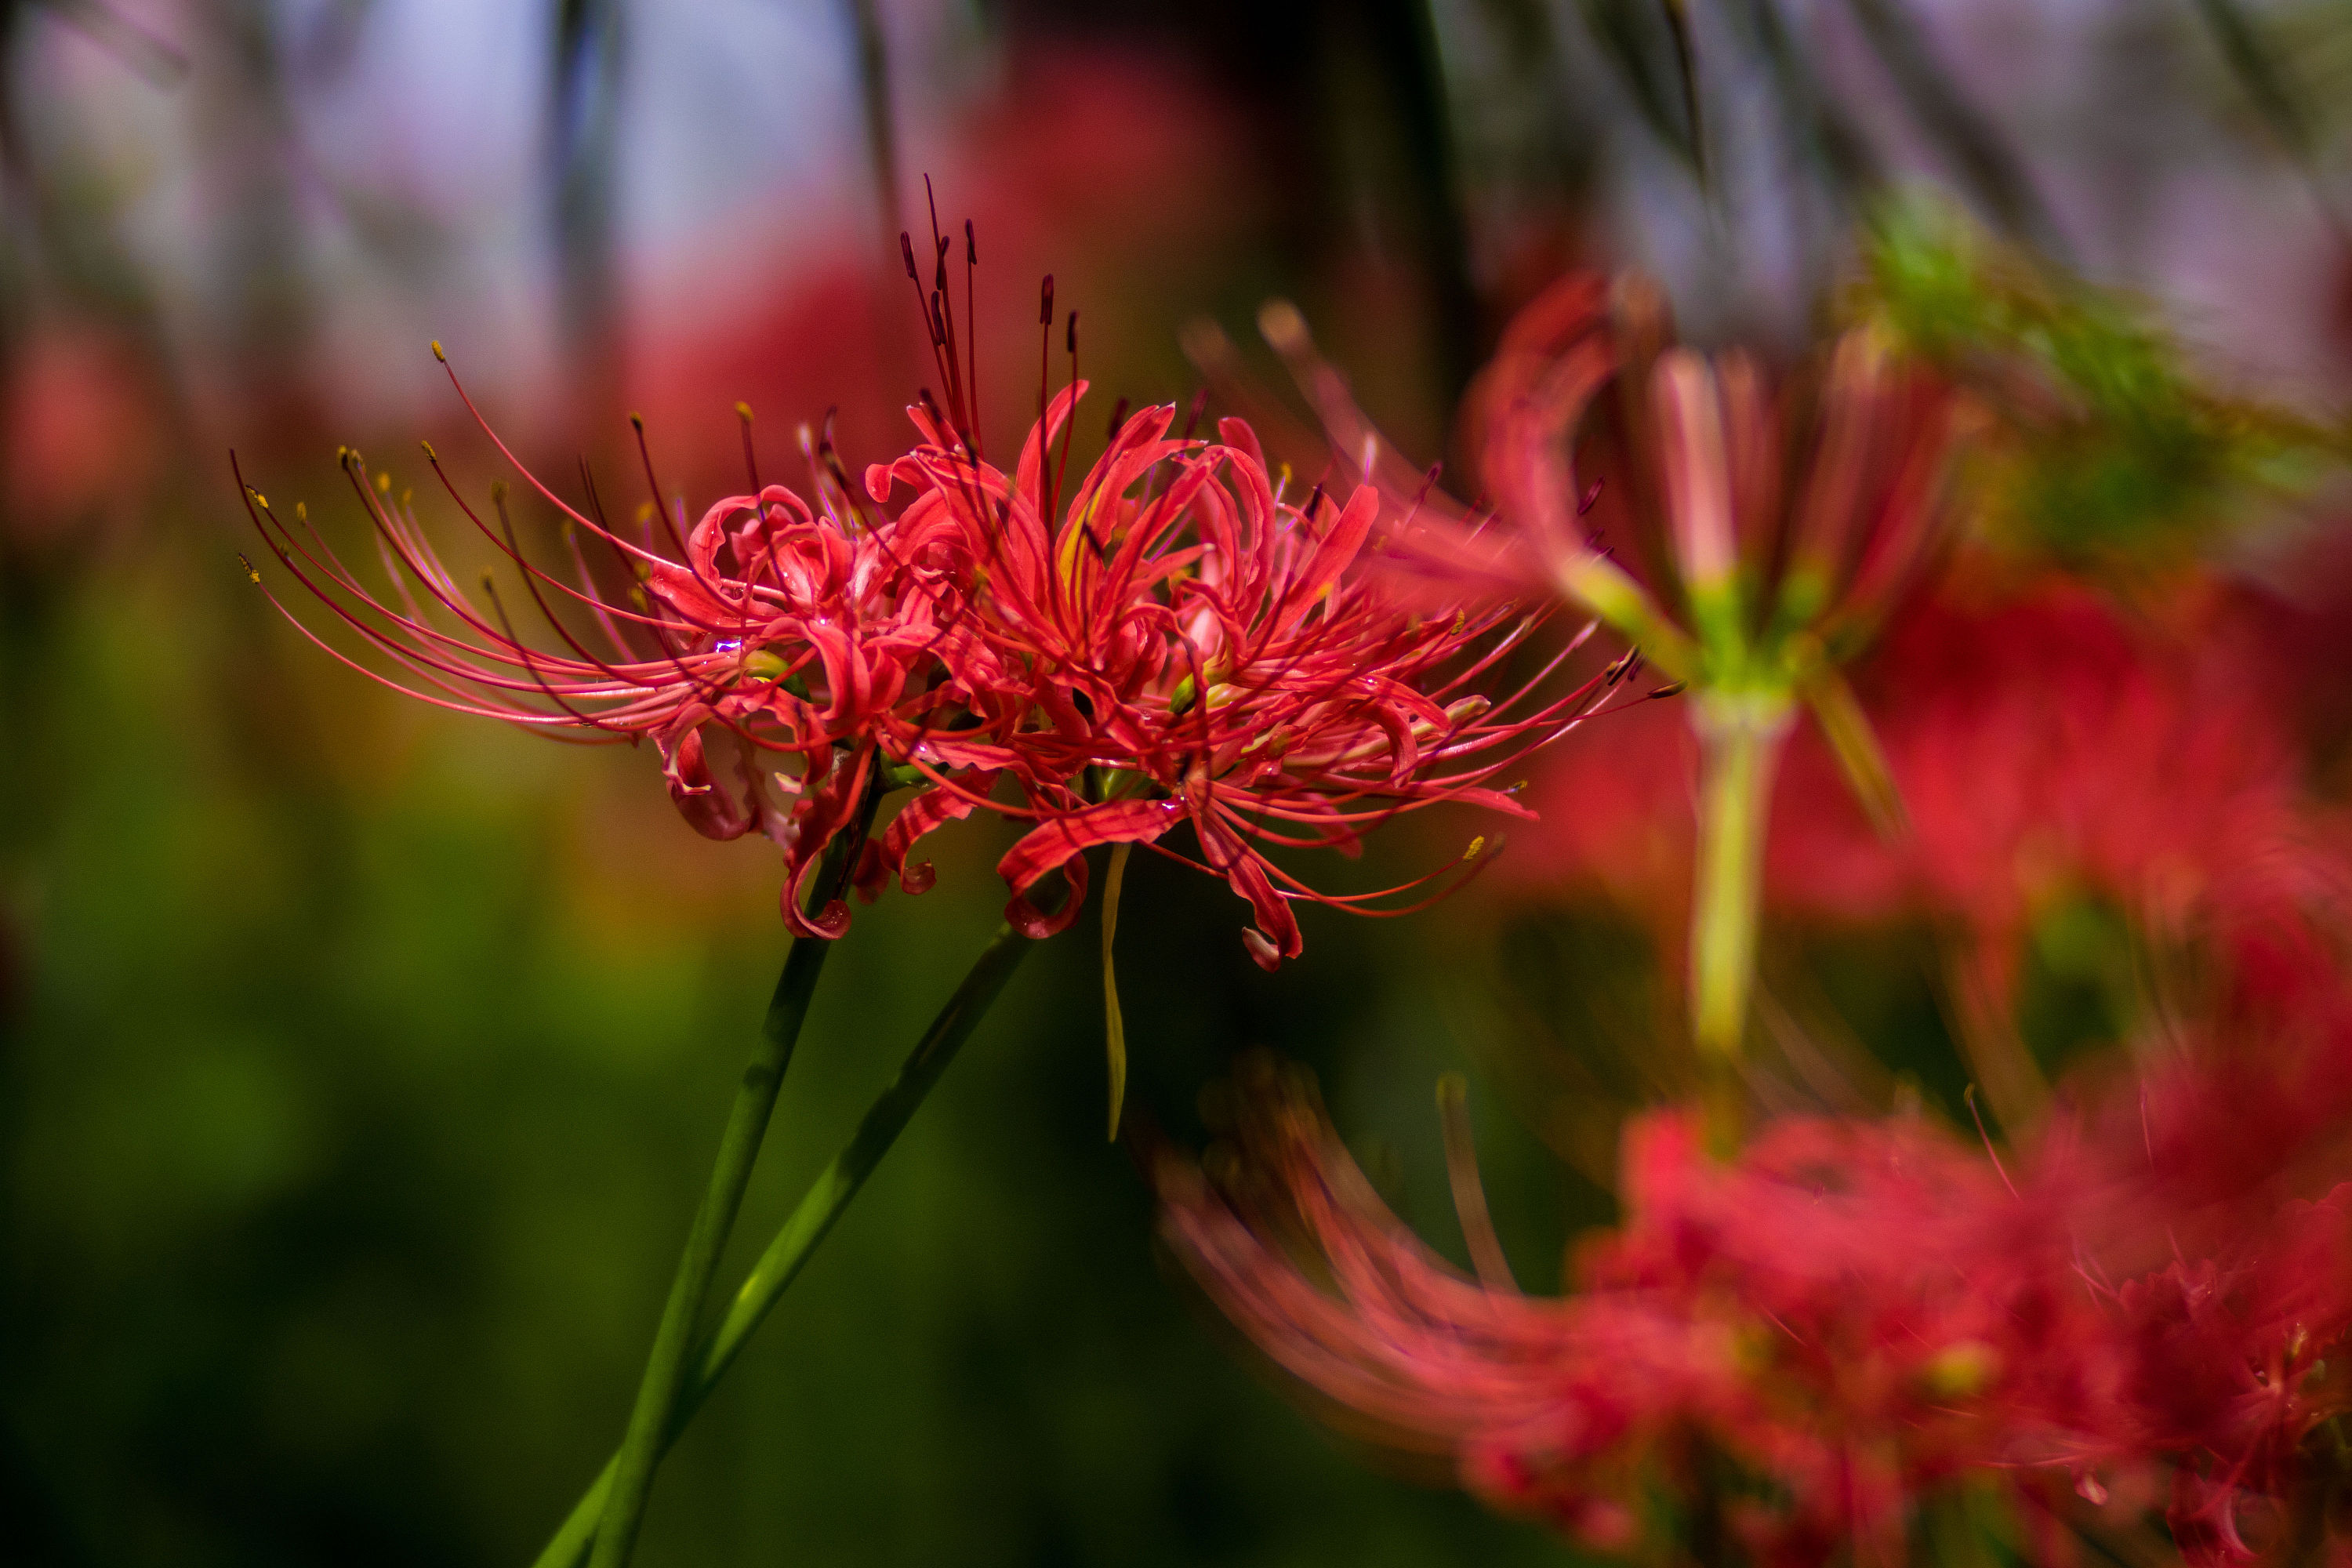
[
  {"x": 1177, "y": 641},
  {"x": 768, "y": 631},
  {"x": 1849, "y": 1315},
  {"x": 1796, "y": 512}
]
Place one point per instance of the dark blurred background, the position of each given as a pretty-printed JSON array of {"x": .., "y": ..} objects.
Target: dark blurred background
[{"x": 360, "y": 1064}]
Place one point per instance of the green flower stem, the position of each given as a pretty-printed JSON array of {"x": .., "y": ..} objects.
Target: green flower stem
[
  {"x": 819, "y": 1207},
  {"x": 1739, "y": 746},
  {"x": 739, "y": 1148}
]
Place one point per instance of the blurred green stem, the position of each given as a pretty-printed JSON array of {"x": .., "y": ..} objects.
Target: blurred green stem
[
  {"x": 822, "y": 1204},
  {"x": 739, "y": 1148},
  {"x": 1739, "y": 736}
]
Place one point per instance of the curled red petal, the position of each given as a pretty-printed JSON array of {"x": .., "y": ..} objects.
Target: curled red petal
[
  {"x": 1278, "y": 936},
  {"x": 1062, "y": 841},
  {"x": 706, "y": 806},
  {"x": 922, "y": 813},
  {"x": 826, "y": 807}
]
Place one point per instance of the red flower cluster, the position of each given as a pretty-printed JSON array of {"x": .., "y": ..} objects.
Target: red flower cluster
[
  {"x": 1180, "y": 642},
  {"x": 1797, "y": 1347}
]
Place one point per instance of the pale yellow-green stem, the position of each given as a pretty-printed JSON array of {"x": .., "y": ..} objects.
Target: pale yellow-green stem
[{"x": 1739, "y": 736}]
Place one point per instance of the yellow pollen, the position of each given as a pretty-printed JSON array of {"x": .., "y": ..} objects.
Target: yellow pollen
[
  {"x": 437, "y": 354},
  {"x": 1476, "y": 845},
  {"x": 384, "y": 484}
]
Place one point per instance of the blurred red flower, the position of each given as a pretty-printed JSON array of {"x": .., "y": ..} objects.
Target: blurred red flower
[
  {"x": 80, "y": 427},
  {"x": 1798, "y": 1345},
  {"x": 2042, "y": 741}
]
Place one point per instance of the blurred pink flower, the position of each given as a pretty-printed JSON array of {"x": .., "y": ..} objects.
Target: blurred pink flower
[{"x": 1805, "y": 1341}]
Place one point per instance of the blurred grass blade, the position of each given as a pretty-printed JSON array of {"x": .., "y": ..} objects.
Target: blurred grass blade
[
  {"x": 878, "y": 112},
  {"x": 1686, "y": 75},
  {"x": 1113, "y": 1024},
  {"x": 2266, "y": 83},
  {"x": 809, "y": 1222},
  {"x": 1831, "y": 140},
  {"x": 1984, "y": 160},
  {"x": 2249, "y": 60},
  {"x": 584, "y": 91},
  {"x": 1648, "y": 44}
]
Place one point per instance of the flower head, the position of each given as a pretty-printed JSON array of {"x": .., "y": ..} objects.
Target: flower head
[
  {"x": 1175, "y": 640},
  {"x": 770, "y": 631}
]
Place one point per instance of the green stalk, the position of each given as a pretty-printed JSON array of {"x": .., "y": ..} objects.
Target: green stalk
[
  {"x": 1739, "y": 746},
  {"x": 739, "y": 1148},
  {"x": 814, "y": 1215}
]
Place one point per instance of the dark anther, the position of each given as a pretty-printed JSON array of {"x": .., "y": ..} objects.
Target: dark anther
[
  {"x": 1045, "y": 301},
  {"x": 1118, "y": 418},
  {"x": 1072, "y": 335},
  {"x": 1192, "y": 420},
  {"x": 907, "y": 249},
  {"x": 971, "y": 245}
]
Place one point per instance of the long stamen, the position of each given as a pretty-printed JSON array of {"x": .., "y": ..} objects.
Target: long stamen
[
  {"x": 1070, "y": 425},
  {"x": 751, "y": 458},
  {"x": 971, "y": 349},
  {"x": 1045, "y": 345}
]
